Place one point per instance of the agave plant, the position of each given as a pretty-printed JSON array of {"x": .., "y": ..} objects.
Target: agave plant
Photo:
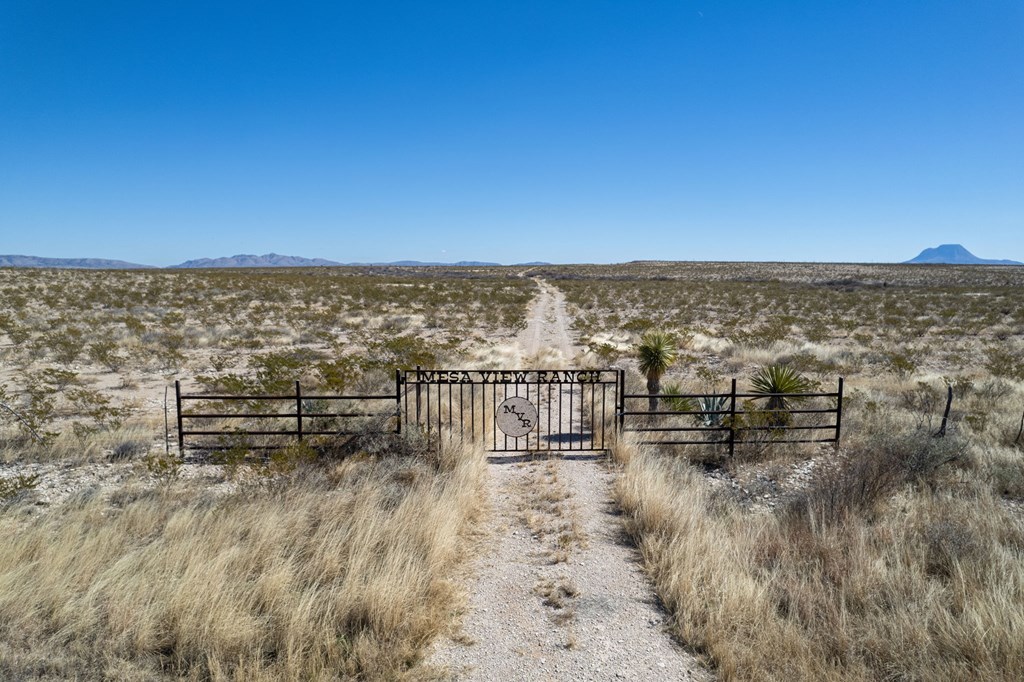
[
  {"x": 709, "y": 406},
  {"x": 656, "y": 352},
  {"x": 778, "y": 383}
]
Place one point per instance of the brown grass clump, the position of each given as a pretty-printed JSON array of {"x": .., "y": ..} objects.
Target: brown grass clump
[
  {"x": 330, "y": 573},
  {"x": 927, "y": 585}
]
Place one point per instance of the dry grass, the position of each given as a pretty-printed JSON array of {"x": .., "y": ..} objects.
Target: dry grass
[
  {"x": 926, "y": 583},
  {"x": 549, "y": 511},
  {"x": 331, "y": 572}
]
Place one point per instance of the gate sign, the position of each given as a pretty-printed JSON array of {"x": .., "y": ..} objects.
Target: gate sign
[{"x": 516, "y": 417}]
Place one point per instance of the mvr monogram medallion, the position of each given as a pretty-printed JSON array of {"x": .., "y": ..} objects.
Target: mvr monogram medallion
[{"x": 516, "y": 417}]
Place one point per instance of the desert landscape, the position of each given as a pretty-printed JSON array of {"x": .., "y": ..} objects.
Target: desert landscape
[{"x": 895, "y": 555}]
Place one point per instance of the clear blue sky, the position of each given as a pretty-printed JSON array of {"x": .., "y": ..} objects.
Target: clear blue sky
[{"x": 583, "y": 131}]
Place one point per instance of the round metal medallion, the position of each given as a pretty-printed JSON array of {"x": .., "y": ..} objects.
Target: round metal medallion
[{"x": 516, "y": 417}]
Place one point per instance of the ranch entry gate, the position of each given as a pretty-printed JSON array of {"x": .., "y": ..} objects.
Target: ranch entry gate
[
  {"x": 525, "y": 410},
  {"x": 515, "y": 410}
]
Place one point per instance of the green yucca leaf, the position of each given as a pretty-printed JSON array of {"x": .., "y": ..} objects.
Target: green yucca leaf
[{"x": 656, "y": 352}]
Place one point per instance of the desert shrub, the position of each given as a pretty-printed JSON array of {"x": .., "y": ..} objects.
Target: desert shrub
[
  {"x": 932, "y": 589},
  {"x": 105, "y": 353},
  {"x": 404, "y": 352},
  {"x": 887, "y": 459},
  {"x": 14, "y": 487},
  {"x": 902, "y": 363},
  {"x": 65, "y": 345},
  {"x": 1005, "y": 362},
  {"x": 127, "y": 449}
]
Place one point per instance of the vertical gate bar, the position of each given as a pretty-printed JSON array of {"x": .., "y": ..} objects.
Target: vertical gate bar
[
  {"x": 732, "y": 419},
  {"x": 593, "y": 422},
  {"x": 571, "y": 432},
  {"x": 298, "y": 409},
  {"x": 451, "y": 418},
  {"x": 462, "y": 415},
  {"x": 620, "y": 399},
  {"x": 549, "y": 418},
  {"x": 494, "y": 425},
  {"x": 405, "y": 414},
  {"x": 398, "y": 401},
  {"x": 561, "y": 395},
  {"x": 515, "y": 445},
  {"x": 583, "y": 406},
  {"x": 839, "y": 410},
  {"x": 472, "y": 411},
  {"x": 177, "y": 403},
  {"x": 428, "y": 407},
  {"x": 439, "y": 406},
  {"x": 418, "y": 380},
  {"x": 505, "y": 394},
  {"x": 538, "y": 411},
  {"x": 604, "y": 412}
]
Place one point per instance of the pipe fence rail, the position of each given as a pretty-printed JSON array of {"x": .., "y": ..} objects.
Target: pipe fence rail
[
  {"x": 302, "y": 417},
  {"x": 700, "y": 419},
  {"x": 734, "y": 416}
]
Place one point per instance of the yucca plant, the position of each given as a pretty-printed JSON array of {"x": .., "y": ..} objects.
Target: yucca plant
[
  {"x": 678, "y": 404},
  {"x": 656, "y": 352},
  {"x": 777, "y": 383}
]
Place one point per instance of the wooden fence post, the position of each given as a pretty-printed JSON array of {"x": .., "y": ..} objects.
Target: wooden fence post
[
  {"x": 732, "y": 419},
  {"x": 298, "y": 409}
]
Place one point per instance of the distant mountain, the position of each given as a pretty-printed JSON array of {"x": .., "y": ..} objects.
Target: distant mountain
[
  {"x": 955, "y": 254},
  {"x": 269, "y": 260},
  {"x": 420, "y": 263},
  {"x": 244, "y": 260},
  {"x": 79, "y": 263}
]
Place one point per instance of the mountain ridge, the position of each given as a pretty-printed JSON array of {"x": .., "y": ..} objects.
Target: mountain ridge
[
  {"x": 241, "y": 260},
  {"x": 248, "y": 260},
  {"x": 18, "y": 261},
  {"x": 954, "y": 254}
]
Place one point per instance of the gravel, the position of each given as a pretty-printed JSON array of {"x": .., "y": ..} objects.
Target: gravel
[{"x": 612, "y": 628}]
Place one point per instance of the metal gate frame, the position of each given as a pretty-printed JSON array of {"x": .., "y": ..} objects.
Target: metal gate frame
[{"x": 577, "y": 408}]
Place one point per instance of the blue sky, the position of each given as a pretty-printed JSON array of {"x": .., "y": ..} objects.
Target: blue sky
[{"x": 587, "y": 131}]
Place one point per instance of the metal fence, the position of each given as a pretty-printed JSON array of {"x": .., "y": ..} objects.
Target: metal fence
[
  {"x": 574, "y": 410},
  {"x": 571, "y": 409},
  {"x": 298, "y": 417},
  {"x": 732, "y": 418}
]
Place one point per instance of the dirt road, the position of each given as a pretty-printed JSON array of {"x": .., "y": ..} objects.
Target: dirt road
[
  {"x": 547, "y": 331},
  {"x": 554, "y": 590}
]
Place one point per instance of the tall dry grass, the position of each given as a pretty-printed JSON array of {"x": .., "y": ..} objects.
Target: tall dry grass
[
  {"x": 337, "y": 572},
  {"x": 925, "y": 583}
]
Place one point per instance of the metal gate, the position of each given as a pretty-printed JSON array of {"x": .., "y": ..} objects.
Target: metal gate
[{"x": 514, "y": 410}]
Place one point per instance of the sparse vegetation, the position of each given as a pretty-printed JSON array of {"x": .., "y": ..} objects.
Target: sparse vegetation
[
  {"x": 896, "y": 556},
  {"x": 656, "y": 352},
  {"x": 331, "y": 571}
]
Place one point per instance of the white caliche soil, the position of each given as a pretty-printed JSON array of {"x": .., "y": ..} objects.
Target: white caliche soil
[{"x": 556, "y": 592}]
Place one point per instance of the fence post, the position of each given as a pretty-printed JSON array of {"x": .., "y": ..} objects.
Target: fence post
[
  {"x": 177, "y": 403},
  {"x": 621, "y": 400},
  {"x": 298, "y": 409},
  {"x": 398, "y": 401},
  {"x": 839, "y": 410},
  {"x": 732, "y": 419},
  {"x": 418, "y": 386}
]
